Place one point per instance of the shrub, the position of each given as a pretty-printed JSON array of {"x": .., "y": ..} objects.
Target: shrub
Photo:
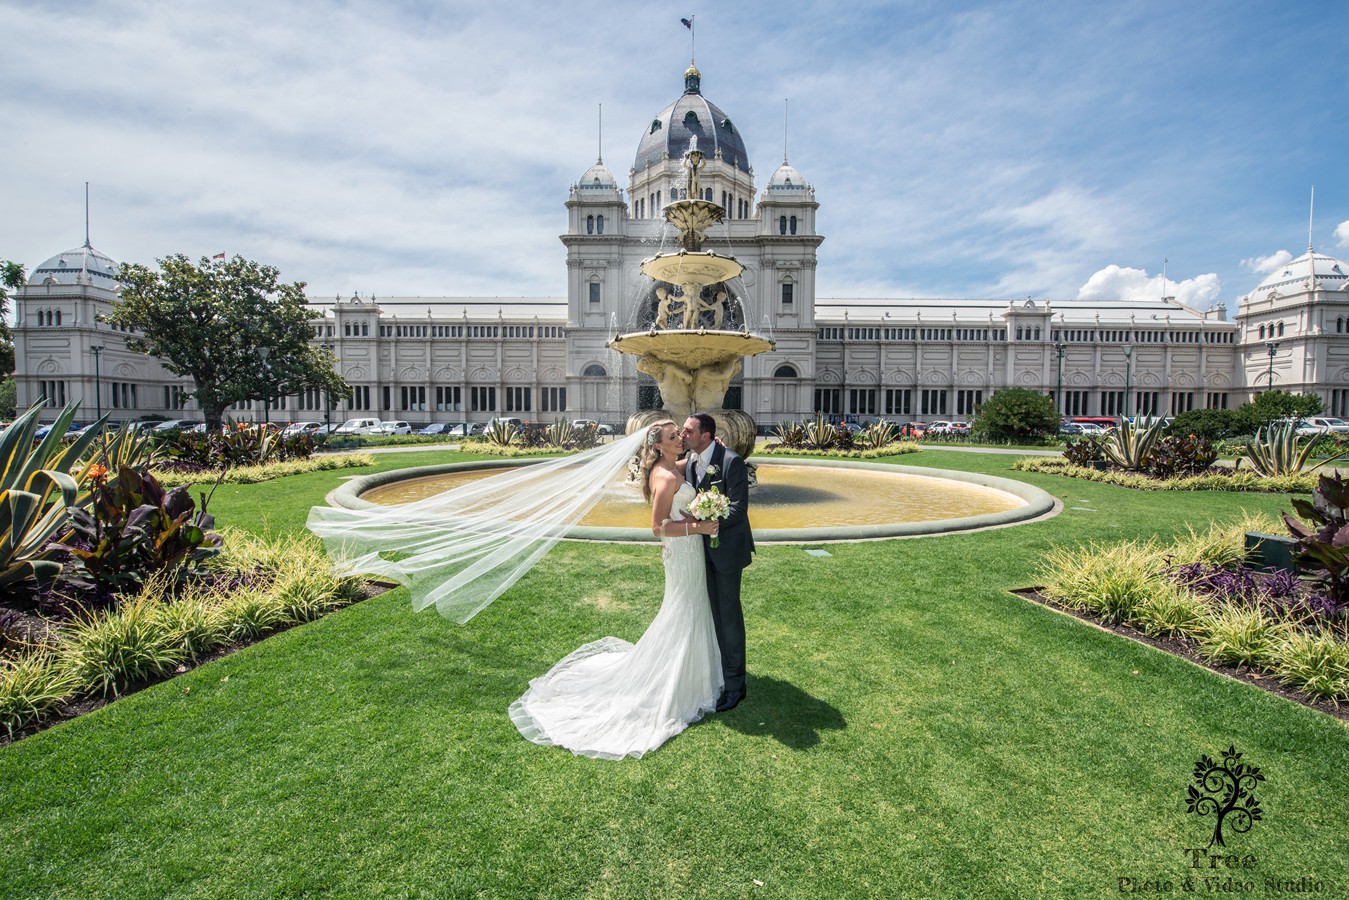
[
  {"x": 789, "y": 434},
  {"x": 1016, "y": 413},
  {"x": 1323, "y": 539},
  {"x": 32, "y": 685},
  {"x": 133, "y": 529},
  {"x": 1180, "y": 454},
  {"x": 1085, "y": 452},
  {"x": 1214, "y": 424},
  {"x": 1237, "y": 635},
  {"x": 112, "y": 649},
  {"x": 1314, "y": 663},
  {"x": 1110, "y": 580},
  {"x": 1272, "y": 406}
]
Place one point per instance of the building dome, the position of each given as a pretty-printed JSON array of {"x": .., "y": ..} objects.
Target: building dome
[
  {"x": 1291, "y": 278},
  {"x": 598, "y": 176},
  {"x": 786, "y": 178},
  {"x": 83, "y": 265},
  {"x": 692, "y": 115}
]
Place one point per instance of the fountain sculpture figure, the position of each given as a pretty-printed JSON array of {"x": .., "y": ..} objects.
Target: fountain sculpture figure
[{"x": 692, "y": 363}]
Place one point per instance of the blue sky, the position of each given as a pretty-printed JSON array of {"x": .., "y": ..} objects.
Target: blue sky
[{"x": 990, "y": 150}]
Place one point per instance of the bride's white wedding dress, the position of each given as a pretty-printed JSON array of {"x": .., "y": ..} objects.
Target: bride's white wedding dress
[{"x": 611, "y": 699}]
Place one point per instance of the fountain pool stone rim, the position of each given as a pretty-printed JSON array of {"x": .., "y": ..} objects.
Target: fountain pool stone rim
[{"x": 1038, "y": 503}]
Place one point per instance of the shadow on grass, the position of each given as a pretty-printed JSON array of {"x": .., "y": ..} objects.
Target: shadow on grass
[{"x": 780, "y": 710}]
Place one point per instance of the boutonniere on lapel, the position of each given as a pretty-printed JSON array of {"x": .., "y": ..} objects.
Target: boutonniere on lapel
[{"x": 712, "y": 471}]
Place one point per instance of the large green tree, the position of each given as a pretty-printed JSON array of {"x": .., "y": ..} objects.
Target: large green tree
[
  {"x": 1271, "y": 406},
  {"x": 232, "y": 327},
  {"x": 1016, "y": 413},
  {"x": 11, "y": 279}
]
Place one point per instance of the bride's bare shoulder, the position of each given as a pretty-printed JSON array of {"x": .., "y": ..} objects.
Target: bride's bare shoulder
[{"x": 662, "y": 478}]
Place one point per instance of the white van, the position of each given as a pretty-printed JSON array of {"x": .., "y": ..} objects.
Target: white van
[{"x": 359, "y": 426}]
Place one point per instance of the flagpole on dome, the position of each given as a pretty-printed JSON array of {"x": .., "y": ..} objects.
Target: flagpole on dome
[{"x": 693, "y": 39}]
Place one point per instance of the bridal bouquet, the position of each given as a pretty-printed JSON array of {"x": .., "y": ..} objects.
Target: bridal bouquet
[{"x": 710, "y": 504}]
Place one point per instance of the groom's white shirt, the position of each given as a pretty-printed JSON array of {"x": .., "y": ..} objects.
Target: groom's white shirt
[{"x": 702, "y": 461}]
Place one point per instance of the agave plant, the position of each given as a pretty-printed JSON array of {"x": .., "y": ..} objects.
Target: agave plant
[
  {"x": 501, "y": 432},
  {"x": 878, "y": 434},
  {"x": 820, "y": 435},
  {"x": 789, "y": 434},
  {"x": 561, "y": 434},
  {"x": 1130, "y": 445},
  {"x": 36, "y": 488},
  {"x": 1282, "y": 451}
]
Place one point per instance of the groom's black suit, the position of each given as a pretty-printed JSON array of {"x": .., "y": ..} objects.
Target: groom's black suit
[{"x": 725, "y": 563}]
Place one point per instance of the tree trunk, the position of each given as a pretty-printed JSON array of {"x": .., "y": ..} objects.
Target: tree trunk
[{"x": 214, "y": 414}]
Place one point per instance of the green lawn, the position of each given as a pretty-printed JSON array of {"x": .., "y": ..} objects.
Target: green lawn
[{"x": 912, "y": 729}]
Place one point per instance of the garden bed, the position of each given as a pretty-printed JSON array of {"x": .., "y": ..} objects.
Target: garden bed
[
  {"x": 1186, "y": 650},
  {"x": 1213, "y": 479}
]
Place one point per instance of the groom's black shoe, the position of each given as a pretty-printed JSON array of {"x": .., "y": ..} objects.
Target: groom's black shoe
[{"x": 729, "y": 700}]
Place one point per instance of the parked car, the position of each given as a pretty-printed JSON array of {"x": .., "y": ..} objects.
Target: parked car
[
  {"x": 1093, "y": 429},
  {"x": 506, "y": 420},
  {"x": 939, "y": 427},
  {"x": 358, "y": 426},
  {"x": 591, "y": 423},
  {"x": 175, "y": 425},
  {"x": 913, "y": 429},
  {"x": 958, "y": 428},
  {"x": 295, "y": 428},
  {"x": 392, "y": 428},
  {"x": 1070, "y": 428},
  {"x": 448, "y": 428},
  {"x": 1323, "y": 425},
  {"x": 43, "y": 431}
]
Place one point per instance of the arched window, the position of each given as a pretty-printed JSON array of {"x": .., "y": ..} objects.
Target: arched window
[
  {"x": 590, "y": 224},
  {"x": 1262, "y": 332},
  {"x": 793, "y": 224},
  {"x": 58, "y": 318},
  {"x": 346, "y": 329},
  {"x": 599, "y": 224},
  {"x": 707, "y": 195},
  {"x": 594, "y": 370},
  {"x": 785, "y": 372},
  {"x": 58, "y": 322},
  {"x": 1018, "y": 332},
  {"x": 782, "y": 225},
  {"x": 365, "y": 329},
  {"x": 1339, "y": 324},
  {"x": 1037, "y": 334}
]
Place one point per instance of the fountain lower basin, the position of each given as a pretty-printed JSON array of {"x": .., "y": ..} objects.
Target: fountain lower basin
[{"x": 795, "y": 501}]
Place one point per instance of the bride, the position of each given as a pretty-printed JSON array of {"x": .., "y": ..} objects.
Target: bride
[
  {"x": 610, "y": 699},
  {"x": 461, "y": 549}
]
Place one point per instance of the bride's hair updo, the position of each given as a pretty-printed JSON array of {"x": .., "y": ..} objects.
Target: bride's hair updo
[{"x": 649, "y": 453}]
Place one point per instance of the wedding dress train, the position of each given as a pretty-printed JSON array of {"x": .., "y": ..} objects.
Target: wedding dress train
[{"x": 611, "y": 699}]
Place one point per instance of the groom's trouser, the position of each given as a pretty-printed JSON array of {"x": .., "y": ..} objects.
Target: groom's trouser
[{"x": 724, "y": 590}]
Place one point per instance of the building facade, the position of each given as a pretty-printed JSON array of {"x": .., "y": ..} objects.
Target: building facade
[{"x": 427, "y": 359}]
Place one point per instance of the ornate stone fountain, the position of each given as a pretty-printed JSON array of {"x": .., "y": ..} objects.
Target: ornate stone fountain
[{"x": 687, "y": 349}]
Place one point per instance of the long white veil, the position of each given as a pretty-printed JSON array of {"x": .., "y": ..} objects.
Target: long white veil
[{"x": 461, "y": 549}]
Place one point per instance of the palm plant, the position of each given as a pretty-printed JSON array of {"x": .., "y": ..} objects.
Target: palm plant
[
  {"x": 36, "y": 488},
  {"x": 1282, "y": 451},
  {"x": 1130, "y": 445}
]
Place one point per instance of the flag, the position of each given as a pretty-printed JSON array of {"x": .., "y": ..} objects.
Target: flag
[
  {"x": 218, "y": 257},
  {"x": 688, "y": 23}
]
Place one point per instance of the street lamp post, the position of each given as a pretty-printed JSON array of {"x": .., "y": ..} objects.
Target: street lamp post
[
  {"x": 1272, "y": 347},
  {"x": 1059, "y": 347},
  {"x": 263, "y": 353},
  {"x": 1128, "y": 374},
  {"x": 97, "y": 350}
]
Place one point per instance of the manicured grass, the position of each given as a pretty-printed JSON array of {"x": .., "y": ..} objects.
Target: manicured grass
[{"x": 911, "y": 730}]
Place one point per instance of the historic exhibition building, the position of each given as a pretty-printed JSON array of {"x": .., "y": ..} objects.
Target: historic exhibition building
[{"x": 425, "y": 359}]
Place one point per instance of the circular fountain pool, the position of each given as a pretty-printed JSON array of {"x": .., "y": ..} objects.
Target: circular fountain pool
[{"x": 795, "y": 500}]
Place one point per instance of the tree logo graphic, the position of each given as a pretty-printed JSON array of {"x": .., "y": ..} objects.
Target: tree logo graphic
[{"x": 1227, "y": 791}]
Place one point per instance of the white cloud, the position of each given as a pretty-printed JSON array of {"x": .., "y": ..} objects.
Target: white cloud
[
  {"x": 1136, "y": 285},
  {"x": 1263, "y": 265},
  {"x": 1342, "y": 234}
]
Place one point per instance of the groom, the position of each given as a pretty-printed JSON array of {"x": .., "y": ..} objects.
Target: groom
[{"x": 711, "y": 464}]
